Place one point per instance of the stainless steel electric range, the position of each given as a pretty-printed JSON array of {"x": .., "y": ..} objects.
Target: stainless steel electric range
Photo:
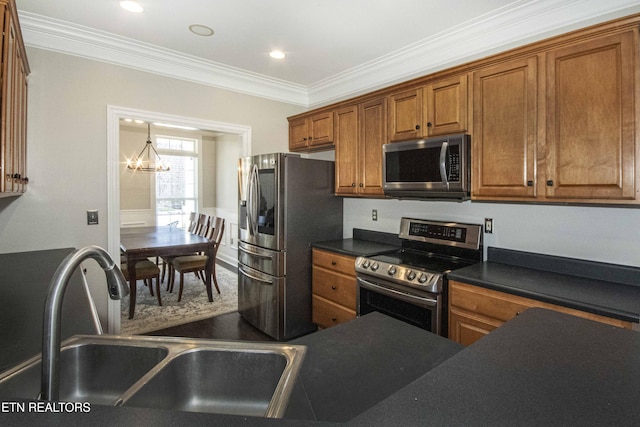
[{"x": 410, "y": 284}]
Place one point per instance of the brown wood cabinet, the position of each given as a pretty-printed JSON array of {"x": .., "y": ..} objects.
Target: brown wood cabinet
[
  {"x": 591, "y": 119},
  {"x": 505, "y": 113},
  {"x": 311, "y": 132},
  {"x": 555, "y": 121},
  {"x": 333, "y": 287},
  {"x": 560, "y": 131},
  {"x": 360, "y": 132},
  {"x": 435, "y": 109},
  {"x": 13, "y": 109},
  {"x": 475, "y": 311}
]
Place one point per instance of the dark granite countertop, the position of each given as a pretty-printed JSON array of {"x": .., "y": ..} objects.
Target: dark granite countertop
[
  {"x": 600, "y": 288},
  {"x": 352, "y": 366},
  {"x": 542, "y": 368},
  {"x": 363, "y": 243},
  {"x": 24, "y": 283}
]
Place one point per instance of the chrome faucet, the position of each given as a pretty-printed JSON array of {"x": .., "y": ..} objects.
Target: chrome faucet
[{"x": 116, "y": 286}]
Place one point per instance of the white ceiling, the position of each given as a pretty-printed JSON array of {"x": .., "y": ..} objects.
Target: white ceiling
[{"x": 335, "y": 48}]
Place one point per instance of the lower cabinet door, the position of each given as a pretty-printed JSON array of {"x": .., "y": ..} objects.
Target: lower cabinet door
[
  {"x": 327, "y": 313},
  {"x": 466, "y": 330}
]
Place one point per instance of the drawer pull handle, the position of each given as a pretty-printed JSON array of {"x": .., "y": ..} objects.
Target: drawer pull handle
[
  {"x": 334, "y": 288},
  {"x": 334, "y": 319},
  {"x": 333, "y": 263}
]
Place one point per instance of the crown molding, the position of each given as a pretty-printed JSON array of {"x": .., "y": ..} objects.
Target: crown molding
[
  {"x": 519, "y": 23},
  {"x": 501, "y": 30},
  {"x": 60, "y": 36}
]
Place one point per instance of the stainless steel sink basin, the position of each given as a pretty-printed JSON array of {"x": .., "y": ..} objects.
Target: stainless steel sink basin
[
  {"x": 229, "y": 377},
  {"x": 95, "y": 373},
  {"x": 228, "y": 382}
]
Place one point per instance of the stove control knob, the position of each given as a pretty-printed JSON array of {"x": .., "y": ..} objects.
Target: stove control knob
[
  {"x": 392, "y": 270},
  {"x": 423, "y": 278},
  {"x": 411, "y": 275},
  {"x": 366, "y": 263},
  {"x": 375, "y": 266}
]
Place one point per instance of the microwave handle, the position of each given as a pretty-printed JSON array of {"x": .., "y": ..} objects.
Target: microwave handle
[{"x": 443, "y": 163}]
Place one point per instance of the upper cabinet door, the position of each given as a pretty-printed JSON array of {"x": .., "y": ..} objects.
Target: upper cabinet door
[
  {"x": 298, "y": 134},
  {"x": 373, "y": 134},
  {"x": 321, "y": 129},
  {"x": 505, "y": 111},
  {"x": 591, "y": 119},
  {"x": 446, "y": 106},
  {"x": 347, "y": 140},
  {"x": 405, "y": 115}
]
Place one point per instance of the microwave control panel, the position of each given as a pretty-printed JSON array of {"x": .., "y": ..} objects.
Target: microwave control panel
[{"x": 454, "y": 163}]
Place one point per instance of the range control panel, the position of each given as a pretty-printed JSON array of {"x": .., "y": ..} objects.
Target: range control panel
[
  {"x": 408, "y": 276},
  {"x": 444, "y": 233}
]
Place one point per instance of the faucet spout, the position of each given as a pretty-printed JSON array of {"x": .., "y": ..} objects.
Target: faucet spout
[{"x": 116, "y": 286}]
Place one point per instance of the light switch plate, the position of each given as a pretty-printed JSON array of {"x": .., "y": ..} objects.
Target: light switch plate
[{"x": 92, "y": 217}]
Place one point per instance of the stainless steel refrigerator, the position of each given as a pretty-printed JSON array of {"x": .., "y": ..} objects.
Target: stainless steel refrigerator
[{"x": 286, "y": 202}]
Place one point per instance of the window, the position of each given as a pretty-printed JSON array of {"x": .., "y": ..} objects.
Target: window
[{"x": 177, "y": 189}]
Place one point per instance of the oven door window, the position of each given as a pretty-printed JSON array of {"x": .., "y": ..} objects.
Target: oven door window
[{"x": 422, "y": 317}]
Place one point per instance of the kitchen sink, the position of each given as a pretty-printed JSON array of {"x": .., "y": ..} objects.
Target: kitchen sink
[
  {"x": 197, "y": 375},
  {"x": 228, "y": 382},
  {"x": 94, "y": 373}
]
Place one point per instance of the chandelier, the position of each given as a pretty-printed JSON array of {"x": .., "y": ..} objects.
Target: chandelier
[{"x": 148, "y": 160}]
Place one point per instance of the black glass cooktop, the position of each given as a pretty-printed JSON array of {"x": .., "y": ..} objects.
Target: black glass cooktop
[{"x": 427, "y": 261}]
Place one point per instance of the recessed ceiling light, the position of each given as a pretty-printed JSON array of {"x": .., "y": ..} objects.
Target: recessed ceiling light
[
  {"x": 131, "y": 6},
  {"x": 201, "y": 30},
  {"x": 277, "y": 54}
]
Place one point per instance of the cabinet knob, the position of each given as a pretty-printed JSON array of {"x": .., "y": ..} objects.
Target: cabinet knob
[
  {"x": 361, "y": 185},
  {"x": 429, "y": 124},
  {"x": 333, "y": 263},
  {"x": 353, "y": 184},
  {"x": 304, "y": 139},
  {"x": 334, "y": 319},
  {"x": 550, "y": 183},
  {"x": 417, "y": 127},
  {"x": 334, "y": 287},
  {"x": 529, "y": 183}
]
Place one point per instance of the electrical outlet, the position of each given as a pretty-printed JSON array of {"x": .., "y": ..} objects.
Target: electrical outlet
[
  {"x": 374, "y": 214},
  {"x": 92, "y": 217},
  {"x": 488, "y": 225}
]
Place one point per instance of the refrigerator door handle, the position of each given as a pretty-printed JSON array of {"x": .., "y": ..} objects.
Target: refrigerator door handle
[
  {"x": 244, "y": 273},
  {"x": 254, "y": 194}
]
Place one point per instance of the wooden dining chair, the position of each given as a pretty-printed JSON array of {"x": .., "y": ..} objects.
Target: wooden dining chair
[
  {"x": 198, "y": 263},
  {"x": 147, "y": 271}
]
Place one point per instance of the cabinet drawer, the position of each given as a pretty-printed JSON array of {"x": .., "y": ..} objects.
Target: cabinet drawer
[
  {"x": 333, "y": 261},
  {"x": 336, "y": 287},
  {"x": 327, "y": 313},
  {"x": 486, "y": 302}
]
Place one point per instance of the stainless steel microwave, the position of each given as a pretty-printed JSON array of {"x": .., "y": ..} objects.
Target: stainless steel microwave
[{"x": 433, "y": 168}]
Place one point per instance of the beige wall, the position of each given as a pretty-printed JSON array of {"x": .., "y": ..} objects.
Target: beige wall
[
  {"x": 67, "y": 140},
  {"x": 135, "y": 188}
]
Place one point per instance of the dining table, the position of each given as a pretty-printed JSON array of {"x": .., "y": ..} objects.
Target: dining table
[{"x": 139, "y": 243}]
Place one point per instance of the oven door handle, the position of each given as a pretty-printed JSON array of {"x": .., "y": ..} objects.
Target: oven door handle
[{"x": 411, "y": 299}]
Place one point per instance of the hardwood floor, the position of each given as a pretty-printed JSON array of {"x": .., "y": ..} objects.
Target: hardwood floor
[{"x": 229, "y": 326}]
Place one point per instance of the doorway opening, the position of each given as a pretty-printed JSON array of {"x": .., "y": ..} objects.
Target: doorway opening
[{"x": 234, "y": 141}]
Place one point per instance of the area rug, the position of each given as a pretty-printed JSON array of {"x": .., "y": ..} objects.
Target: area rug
[{"x": 194, "y": 305}]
